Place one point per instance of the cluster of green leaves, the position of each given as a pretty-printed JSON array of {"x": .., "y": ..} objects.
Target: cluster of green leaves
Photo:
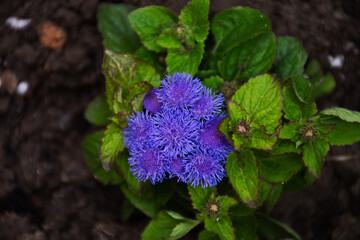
[{"x": 280, "y": 138}]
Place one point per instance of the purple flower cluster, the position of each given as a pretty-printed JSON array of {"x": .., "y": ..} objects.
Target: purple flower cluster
[{"x": 178, "y": 134}]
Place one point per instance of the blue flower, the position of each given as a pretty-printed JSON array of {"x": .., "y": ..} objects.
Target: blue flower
[
  {"x": 151, "y": 101},
  {"x": 138, "y": 129},
  {"x": 175, "y": 132},
  {"x": 204, "y": 169},
  {"x": 176, "y": 168},
  {"x": 180, "y": 91},
  {"x": 208, "y": 105},
  {"x": 147, "y": 163},
  {"x": 212, "y": 140}
]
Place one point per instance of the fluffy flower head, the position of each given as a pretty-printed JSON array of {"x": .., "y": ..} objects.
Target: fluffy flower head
[
  {"x": 138, "y": 129},
  {"x": 180, "y": 91}
]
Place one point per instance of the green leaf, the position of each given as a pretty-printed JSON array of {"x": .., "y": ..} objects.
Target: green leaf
[
  {"x": 91, "y": 146},
  {"x": 342, "y": 113},
  {"x": 122, "y": 163},
  {"x": 291, "y": 131},
  {"x": 200, "y": 196},
  {"x": 261, "y": 98},
  {"x": 184, "y": 60},
  {"x": 206, "y": 235},
  {"x": 265, "y": 190},
  {"x": 245, "y": 227},
  {"x": 250, "y": 58},
  {"x": 150, "y": 57},
  {"x": 279, "y": 168},
  {"x": 236, "y": 113},
  {"x": 97, "y": 112},
  {"x": 213, "y": 82},
  {"x": 115, "y": 28},
  {"x": 244, "y": 176},
  {"x": 302, "y": 88},
  {"x": 295, "y": 109},
  {"x": 271, "y": 229},
  {"x": 223, "y": 127},
  {"x": 150, "y": 199},
  {"x": 112, "y": 144},
  {"x": 314, "y": 154},
  {"x": 274, "y": 196},
  {"x": 194, "y": 17},
  {"x": 344, "y": 132},
  {"x": 149, "y": 22},
  {"x": 236, "y": 25},
  {"x": 168, "y": 225},
  {"x": 221, "y": 224},
  {"x": 321, "y": 85},
  {"x": 257, "y": 139},
  {"x": 125, "y": 70},
  {"x": 290, "y": 58},
  {"x": 168, "y": 39},
  {"x": 284, "y": 146},
  {"x": 138, "y": 88}
]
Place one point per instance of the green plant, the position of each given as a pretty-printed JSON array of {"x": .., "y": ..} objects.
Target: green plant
[{"x": 278, "y": 136}]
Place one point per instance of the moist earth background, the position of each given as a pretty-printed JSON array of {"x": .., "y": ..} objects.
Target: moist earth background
[{"x": 46, "y": 191}]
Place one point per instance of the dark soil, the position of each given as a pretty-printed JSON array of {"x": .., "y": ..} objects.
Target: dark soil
[{"x": 46, "y": 191}]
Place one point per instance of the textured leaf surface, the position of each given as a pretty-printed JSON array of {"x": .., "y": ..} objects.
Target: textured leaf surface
[
  {"x": 151, "y": 198},
  {"x": 149, "y": 22},
  {"x": 291, "y": 131},
  {"x": 168, "y": 225},
  {"x": 302, "y": 88},
  {"x": 200, "y": 196},
  {"x": 250, "y": 58},
  {"x": 183, "y": 60},
  {"x": 221, "y": 224},
  {"x": 344, "y": 132},
  {"x": 115, "y": 28},
  {"x": 233, "y": 26},
  {"x": 342, "y": 113},
  {"x": 244, "y": 176},
  {"x": 91, "y": 146},
  {"x": 261, "y": 98},
  {"x": 294, "y": 108},
  {"x": 284, "y": 146},
  {"x": 126, "y": 70},
  {"x": 112, "y": 144},
  {"x": 314, "y": 154},
  {"x": 168, "y": 39},
  {"x": 273, "y": 197},
  {"x": 280, "y": 168},
  {"x": 194, "y": 17},
  {"x": 98, "y": 112},
  {"x": 213, "y": 82},
  {"x": 290, "y": 57}
]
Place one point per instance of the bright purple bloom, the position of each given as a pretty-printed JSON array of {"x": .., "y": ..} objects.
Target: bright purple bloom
[
  {"x": 180, "y": 91},
  {"x": 212, "y": 140},
  {"x": 208, "y": 105},
  {"x": 151, "y": 101},
  {"x": 175, "y": 132},
  {"x": 138, "y": 129},
  {"x": 204, "y": 168},
  {"x": 176, "y": 168},
  {"x": 147, "y": 163}
]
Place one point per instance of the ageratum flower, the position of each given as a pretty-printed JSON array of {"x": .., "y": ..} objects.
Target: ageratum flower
[
  {"x": 180, "y": 91},
  {"x": 138, "y": 129},
  {"x": 212, "y": 140},
  {"x": 205, "y": 169},
  {"x": 208, "y": 105},
  {"x": 175, "y": 132},
  {"x": 177, "y": 135},
  {"x": 147, "y": 163},
  {"x": 176, "y": 168},
  {"x": 151, "y": 101}
]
